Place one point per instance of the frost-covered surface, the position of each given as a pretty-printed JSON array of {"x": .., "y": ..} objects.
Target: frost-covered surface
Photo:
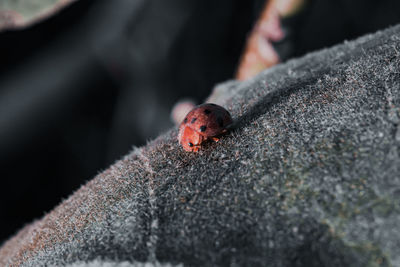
[{"x": 310, "y": 176}]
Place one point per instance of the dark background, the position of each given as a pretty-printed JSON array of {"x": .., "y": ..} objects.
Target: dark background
[{"x": 78, "y": 90}]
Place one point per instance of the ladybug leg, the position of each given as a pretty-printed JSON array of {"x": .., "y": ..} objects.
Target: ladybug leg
[{"x": 215, "y": 139}]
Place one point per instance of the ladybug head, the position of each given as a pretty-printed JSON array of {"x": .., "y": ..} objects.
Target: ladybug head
[{"x": 190, "y": 139}]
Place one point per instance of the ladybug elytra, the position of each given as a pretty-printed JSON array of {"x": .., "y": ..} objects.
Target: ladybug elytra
[{"x": 204, "y": 122}]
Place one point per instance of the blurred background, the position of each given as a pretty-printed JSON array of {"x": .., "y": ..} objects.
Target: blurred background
[{"x": 80, "y": 87}]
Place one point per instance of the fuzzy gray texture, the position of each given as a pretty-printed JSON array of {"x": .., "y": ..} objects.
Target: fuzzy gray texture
[
  {"x": 309, "y": 176},
  {"x": 101, "y": 263}
]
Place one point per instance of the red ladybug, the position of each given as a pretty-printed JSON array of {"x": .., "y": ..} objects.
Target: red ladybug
[{"x": 204, "y": 122}]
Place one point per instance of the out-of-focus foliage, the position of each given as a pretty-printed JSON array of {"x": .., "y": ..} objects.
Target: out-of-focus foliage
[{"x": 22, "y": 13}]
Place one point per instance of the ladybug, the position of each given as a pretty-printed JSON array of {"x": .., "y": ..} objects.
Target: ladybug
[{"x": 204, "y": 122}]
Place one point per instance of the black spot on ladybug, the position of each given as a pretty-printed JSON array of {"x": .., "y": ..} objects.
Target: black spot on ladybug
[
  {"x": 193, "y": 120},
  {"x": 185, "y": 120},
  {"x": 203, "y": 128},
  {"x": 190, "y": 144},
  {"x": 207, "y": 111},
  {"x": 220, "y": 122}
]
